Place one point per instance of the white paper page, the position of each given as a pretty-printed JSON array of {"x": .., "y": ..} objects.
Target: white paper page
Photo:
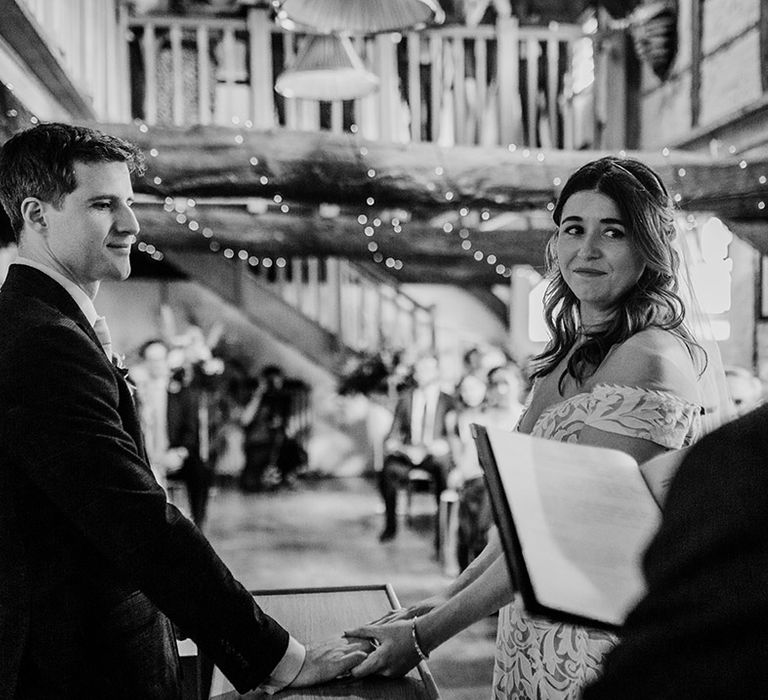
[{"x": 584, "y": 517}]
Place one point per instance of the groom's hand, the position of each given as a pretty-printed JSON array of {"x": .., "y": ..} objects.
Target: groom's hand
[
  {"x": 394, "y": 654},
  {"x": 329, "y": 659}
]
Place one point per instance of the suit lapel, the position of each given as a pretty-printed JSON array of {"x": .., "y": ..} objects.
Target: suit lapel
[{"x": 28, "y": 281}]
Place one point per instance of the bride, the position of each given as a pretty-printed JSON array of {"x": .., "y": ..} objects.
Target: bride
[{"x": 622, "y": 370}]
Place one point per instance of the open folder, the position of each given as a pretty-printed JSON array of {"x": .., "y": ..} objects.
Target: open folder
[{"x": 574, "y": 521}]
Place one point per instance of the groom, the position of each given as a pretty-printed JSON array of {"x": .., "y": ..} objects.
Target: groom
[{"x": 94, "y": 565}]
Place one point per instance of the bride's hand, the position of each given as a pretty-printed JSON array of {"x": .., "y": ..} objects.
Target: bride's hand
[
  {"x": 394, "y": 653},
  {"x": 417, "y": 609}
]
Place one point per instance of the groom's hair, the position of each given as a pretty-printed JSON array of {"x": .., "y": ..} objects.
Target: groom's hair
[{"x": 40, "y": 162}]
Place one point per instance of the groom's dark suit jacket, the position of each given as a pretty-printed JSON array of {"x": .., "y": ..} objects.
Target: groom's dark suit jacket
[{"x": 93, "y": 561}]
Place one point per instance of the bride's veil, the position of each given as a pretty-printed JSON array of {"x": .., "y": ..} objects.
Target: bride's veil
[{"x": 713, "y": 389}]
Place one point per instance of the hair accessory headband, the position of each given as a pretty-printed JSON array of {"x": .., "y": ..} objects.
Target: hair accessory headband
[{"x": 662, "y": 189}]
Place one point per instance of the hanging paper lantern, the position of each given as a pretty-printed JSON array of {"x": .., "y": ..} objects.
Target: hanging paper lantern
[
  {"x": 327, "y": 68},
  {"x": 357, "y": 17}
]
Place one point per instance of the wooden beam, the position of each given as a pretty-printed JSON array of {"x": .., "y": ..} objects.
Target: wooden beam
[
  {"x": 324, "y": 167},
  {"x": 697, "y": 57},
  {"x": 463, "y": 273},
  {"x": 304, "y": 234}
]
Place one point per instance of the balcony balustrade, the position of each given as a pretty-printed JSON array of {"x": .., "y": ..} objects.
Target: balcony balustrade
[{"x": 486, "y": 85}]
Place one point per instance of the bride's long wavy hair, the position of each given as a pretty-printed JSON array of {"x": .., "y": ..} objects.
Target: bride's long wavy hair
[{"x": 654, "y": 301}]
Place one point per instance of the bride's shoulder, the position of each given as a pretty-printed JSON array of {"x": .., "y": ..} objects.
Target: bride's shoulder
[
  {"x": 651, "y": 343},
  {"x": 652, "y": 358}
]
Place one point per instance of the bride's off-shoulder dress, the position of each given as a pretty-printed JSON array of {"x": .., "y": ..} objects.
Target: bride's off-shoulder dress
[{"x": 541, "y": 660}]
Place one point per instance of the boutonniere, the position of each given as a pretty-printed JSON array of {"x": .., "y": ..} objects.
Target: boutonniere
[{"x": 118, "y": 362}]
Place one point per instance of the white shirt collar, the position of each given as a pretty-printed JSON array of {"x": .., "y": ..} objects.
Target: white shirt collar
[{"x": 76, "y": 292}]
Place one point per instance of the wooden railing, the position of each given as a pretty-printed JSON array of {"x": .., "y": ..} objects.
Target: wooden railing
[
  {"x": 487, "y": 85},
  {"x": 365, "y": 311}
]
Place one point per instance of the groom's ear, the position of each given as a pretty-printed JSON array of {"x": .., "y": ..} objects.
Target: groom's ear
[{"x": 33, "y": 214}]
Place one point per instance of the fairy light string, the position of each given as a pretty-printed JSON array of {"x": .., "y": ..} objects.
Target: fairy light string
[{"x": 371, "y": 218}]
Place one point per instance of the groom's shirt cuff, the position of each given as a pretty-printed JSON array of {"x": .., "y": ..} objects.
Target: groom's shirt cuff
[{"x": 287, "y": 668}]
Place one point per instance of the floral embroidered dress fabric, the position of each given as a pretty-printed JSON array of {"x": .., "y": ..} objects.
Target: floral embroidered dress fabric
[{"x": 541, "y": 660}]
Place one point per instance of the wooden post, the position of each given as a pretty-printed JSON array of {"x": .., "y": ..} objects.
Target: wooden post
[
  {"x": 532, "y": 88},
  {"x": 281, "y": 281},
  {"x": 380, "y": 339},
  {"x": 334, "y": 276},
  {"x": 432, "y": 329},
  {"x": 459, "y": 93},
  {"x": 414, "y": 84},
  {"x": 297, "y": 282},
  {"x": 553, "y": 74},
  {"x": 697, "y": 55},
  {"x": 508, "y": 55},
  {"x": 436, "y": 78},
  {"x": 291, "y": 105},
  {"x": 389, "y": 90},
  {"x": 260, "y": 68},
  {"x": 203, "y": 72},
  {"x": 177, "y": 73},
  {"x": 226, "y": 110},
  {"x": 614, "y": 134},
  {"x": 764, "y": 44},
  {"x": 312, "y": 296},
  {"x": 122, "y": 84},
  {"x": 240, "y": 271},
  {"x": 149, "y": 44},
  {"x": 481, "y": 90}
]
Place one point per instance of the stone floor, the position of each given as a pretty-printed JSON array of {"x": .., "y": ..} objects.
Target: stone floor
[{"x": 324, "y": 533}]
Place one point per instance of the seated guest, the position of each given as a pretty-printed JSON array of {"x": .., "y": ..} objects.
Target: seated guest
[
  {"x": 152, "y": 377},
  {"x": 500, "y": 407},
  {"x": 474, "y": 516},
  {"x": 422, "y": 428},
  {"x": 699, "y": 632},
  {"x": 272, "y": 455},
  {"x": 193, "y": 418},
  {"x": 472, "y": 366}
]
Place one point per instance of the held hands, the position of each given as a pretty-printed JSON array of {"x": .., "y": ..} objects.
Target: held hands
[
  {"x": 329, "y": 659},
  {"x": 395, "y": 654}
]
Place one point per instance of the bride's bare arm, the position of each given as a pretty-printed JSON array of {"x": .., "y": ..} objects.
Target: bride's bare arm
[
  {"x": 484, "y": 596},
  {"x": 479, "y": 565},
  {"x": 396, "y": 653}
]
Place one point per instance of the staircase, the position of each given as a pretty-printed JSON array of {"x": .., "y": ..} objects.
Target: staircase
[{"x": 328, "y": 309}]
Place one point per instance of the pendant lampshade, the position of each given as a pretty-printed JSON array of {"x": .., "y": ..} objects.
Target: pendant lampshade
[
  {"x": 327, "y": 68},
  {"x": 357, "y": 17}
]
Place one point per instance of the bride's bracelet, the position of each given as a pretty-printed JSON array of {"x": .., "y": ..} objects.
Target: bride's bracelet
[{"x": 416, "y": 644}]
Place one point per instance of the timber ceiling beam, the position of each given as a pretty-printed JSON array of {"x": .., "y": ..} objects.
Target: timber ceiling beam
[
  {"x": 302, "y": 233},
  {"x": 315, "y": 167}
]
